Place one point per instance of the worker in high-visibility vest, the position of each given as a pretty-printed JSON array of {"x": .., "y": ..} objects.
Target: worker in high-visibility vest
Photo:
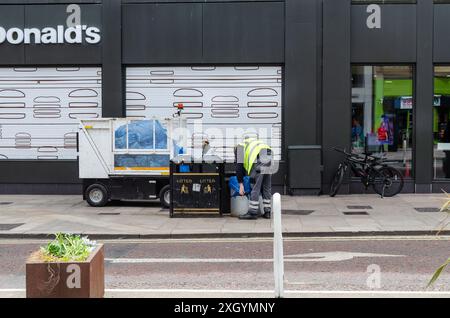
[{"x": 254, "y": 159}]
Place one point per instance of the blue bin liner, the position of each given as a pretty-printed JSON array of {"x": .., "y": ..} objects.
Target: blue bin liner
[
  {"x": 185, "y": 169},
  {"x": 121, "y": 137},
  {"x": 160, "y": 136},
  {"x": 142, "y": 161},
  {"x": 140, "y": 135},
  {"x": 234, "y": 186}
]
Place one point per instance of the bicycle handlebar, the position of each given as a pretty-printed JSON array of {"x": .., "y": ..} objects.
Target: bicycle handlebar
[
  {"x": 356, "y": 155},
  {"x": 340, "y": 150}
]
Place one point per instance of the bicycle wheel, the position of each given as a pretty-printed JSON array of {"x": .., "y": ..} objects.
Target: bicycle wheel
[
  {"x": 388, "y": 182},
  {"x": 337, "y": 180}
]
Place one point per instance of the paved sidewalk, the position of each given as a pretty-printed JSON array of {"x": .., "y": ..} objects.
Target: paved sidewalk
[{"x": 40, "y": 215}]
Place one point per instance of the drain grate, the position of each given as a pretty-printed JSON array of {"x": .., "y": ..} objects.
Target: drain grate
[
  {"x": 427, "y": 210},
  {"x": 356, "y": 213},
  {"x": 297, "y": 212},
  {"x": 7, "y": 227},
  {"x": 6, "y": 203},
  {"x": 359, "y": 207},
  {"x": 109, "y": 213}
]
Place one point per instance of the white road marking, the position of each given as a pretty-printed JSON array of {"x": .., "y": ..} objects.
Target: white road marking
[
  {"x": 335, "y": 256},
  {"x": 229, "y": 292},
  {"x": 260, "y": 291},
  {"x": 298, "y": 258},
  {"x": 6, "y": 241},
  {"x": 185, "y": 260}
]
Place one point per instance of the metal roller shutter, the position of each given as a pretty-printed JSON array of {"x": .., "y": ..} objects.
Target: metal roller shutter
[
  {"x": 40, "y": 109},
  {"x": 228, "y": 100}
]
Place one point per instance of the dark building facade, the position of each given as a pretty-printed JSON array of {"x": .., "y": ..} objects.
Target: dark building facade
[{"x": 318, "y": 73}]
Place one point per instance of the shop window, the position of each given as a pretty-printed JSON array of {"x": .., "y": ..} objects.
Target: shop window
[
  {"x": 441, "y": 122},
  {"x": 382, "y": 114}
]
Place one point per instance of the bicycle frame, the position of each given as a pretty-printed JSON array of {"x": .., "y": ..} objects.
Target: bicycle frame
[
  {"x": 372, "y": 171},
  {"x": 364, "y": 169}
]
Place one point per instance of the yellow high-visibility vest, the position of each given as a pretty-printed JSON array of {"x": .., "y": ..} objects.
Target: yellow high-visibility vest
[{"x": 252, "y": 148}]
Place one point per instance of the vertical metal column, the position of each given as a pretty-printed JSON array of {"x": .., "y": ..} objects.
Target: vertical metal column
[
  {"x": 112, "y": 74},
  {"x": 423, "y": 134},
  {"x": 278, "y": 258}
]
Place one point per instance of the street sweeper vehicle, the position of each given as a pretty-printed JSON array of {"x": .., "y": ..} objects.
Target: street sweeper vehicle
[{"x": 128, "y": 158}]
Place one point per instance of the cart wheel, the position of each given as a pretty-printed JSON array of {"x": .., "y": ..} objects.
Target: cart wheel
[
  {"x": 164, "y": 196},
  {"x": 97, "y": 195}
]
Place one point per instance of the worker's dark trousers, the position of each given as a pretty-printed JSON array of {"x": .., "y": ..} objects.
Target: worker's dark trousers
[{"x": 261, "y": 184}]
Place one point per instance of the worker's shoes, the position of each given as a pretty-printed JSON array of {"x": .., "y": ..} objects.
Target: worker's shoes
[
  {"x": 267, "y": 215},
  {"x": 248, "y": 216}
]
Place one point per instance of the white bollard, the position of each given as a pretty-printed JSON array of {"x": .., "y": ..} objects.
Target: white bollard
[{"x": 278, "y": 258}]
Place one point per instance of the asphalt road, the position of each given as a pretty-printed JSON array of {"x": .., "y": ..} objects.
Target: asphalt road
[{"x": 205, "y": 267}]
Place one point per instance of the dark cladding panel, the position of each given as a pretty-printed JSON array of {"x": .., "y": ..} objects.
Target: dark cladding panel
[
  {"x": 336, "y": 83},
  {"x": 243, "y": 32},
  {"x": 301, "y": 102},
  {"x": 423, "y": 130},
  {"x": 50, "y": 1},
  {"x": 39, "y": 171},
  {"x": 442, "y": 33},
  {"x": 395, "y": 41},
  {"x": 301, "y": 72},
  {"x": 162, "y": 33},
  {"x": 10, "y": 17},
  {"x": 41, "y": 16},
  {"x": 112, "y": 71}
]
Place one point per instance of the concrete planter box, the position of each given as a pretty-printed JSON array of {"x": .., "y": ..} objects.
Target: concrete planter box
[{"x": 66, "y": 280}]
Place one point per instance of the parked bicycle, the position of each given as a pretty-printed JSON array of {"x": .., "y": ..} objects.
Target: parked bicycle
[{"x": 373, "y": 171}]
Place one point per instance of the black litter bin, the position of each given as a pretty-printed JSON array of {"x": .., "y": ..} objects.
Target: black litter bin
[{"x": 197, "y": 185}]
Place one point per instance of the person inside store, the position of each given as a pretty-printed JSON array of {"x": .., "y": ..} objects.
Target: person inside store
[
  {"x": 254, "y": 158},
  {"x": 357, "y": 133}
]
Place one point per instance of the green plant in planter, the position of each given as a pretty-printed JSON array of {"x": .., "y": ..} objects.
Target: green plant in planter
[
  {"x": 68, "y": 248},
  {"x": 445, "y": 208}
]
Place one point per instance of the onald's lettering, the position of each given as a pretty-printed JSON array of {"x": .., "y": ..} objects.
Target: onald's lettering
[
  {"x": 49, "y": 35},
  {"x": 73, "y": 33}
]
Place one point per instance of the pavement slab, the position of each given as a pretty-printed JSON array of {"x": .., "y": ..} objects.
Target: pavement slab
[{"x": 46, "y": 214}]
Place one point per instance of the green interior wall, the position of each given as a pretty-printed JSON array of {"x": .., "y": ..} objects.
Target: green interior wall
[
  {"x": 393, "y": 88},
  {"x": 389, "y": 88},
  {"x": 441, "y": 87},
  {"x": 399, "y": 87}
]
